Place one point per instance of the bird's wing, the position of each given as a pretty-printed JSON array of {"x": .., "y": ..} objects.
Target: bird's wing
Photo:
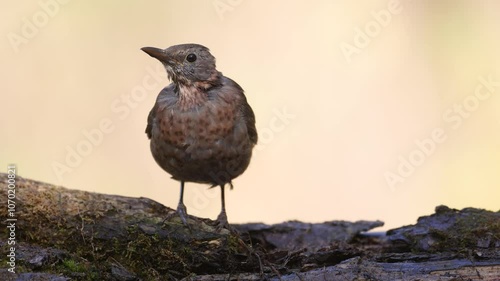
[
  {"x": 245, "y": 108},
  {"x": 151, "y": 117},
  {"x": 166, "y": 98},
  {"x": 250, "y": 121}
]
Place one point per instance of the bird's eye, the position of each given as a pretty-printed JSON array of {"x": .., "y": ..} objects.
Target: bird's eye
[{"x": 191, "y": 57}]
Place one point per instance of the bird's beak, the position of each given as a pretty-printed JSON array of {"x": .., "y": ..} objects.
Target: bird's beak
[{"x": 156, "y": 53}]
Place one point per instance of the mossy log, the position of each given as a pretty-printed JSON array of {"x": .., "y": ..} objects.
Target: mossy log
[{"x": 64, "y": 234}]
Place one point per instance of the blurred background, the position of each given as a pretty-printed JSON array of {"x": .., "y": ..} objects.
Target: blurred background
[{"x": 365, "y": 110}]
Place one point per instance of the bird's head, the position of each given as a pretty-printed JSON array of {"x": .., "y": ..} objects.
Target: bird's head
[{"x": 186, "y": 64}]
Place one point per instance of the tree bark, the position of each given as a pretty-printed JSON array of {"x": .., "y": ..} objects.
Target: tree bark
[{"x": 64, "y": 234}]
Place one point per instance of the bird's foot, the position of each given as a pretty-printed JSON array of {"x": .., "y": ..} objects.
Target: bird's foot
[
  {"x": 222, "y": 222},
  {"x": 181, "y": 212}
]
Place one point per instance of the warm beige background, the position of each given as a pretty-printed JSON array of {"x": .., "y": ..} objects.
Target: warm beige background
[{"x": 350, "y": 116}]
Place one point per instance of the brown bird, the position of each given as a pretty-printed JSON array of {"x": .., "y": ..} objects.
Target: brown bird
[{"x": 201, "y": 126}]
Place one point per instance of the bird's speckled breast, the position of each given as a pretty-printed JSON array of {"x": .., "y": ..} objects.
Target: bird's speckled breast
[{"x": 205, "y": 142}]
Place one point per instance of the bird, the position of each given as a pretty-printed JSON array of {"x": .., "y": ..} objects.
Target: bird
[{"x": 201, "y": 127}]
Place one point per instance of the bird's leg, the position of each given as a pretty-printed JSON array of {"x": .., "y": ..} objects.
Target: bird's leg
[
  {"x": 222, "y": 218},
  {"x": 181, "y": 208}
]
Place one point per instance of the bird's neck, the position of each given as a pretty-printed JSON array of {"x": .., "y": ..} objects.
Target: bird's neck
[{"x": 193, "y": 94}]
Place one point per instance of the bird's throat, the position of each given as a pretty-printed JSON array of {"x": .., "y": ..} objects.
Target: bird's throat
[{"x": 191, "y": 96}]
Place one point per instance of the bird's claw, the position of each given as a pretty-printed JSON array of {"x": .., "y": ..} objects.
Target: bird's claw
[
  {"x": 181, "y": 212},
  {"x": 222, "y": 222}
]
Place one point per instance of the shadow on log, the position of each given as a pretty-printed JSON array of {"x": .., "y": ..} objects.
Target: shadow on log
[{"x": 64, "y": 234}]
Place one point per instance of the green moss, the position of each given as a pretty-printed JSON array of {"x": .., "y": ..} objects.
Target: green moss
[
  {"x": 72, "y": 266},
  {"x": 467, "y": 231},
  {"x": 234, "y": 244},
  {"x": 94, "y": 233}
]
